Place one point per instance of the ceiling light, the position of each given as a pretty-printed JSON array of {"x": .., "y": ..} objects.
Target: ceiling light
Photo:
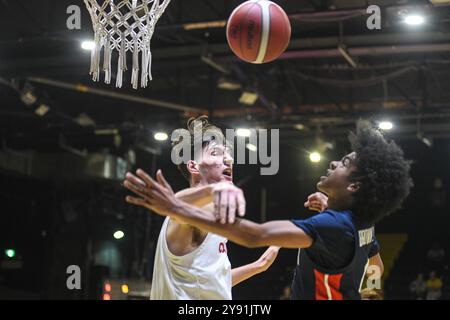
[
  {"x": 385, "y": 125},
  {"x": 88, "y": 45},
  {"x": 414, "y": 20},
  {"x": 161, "y": 136},
  {"x": 118, "y": 234},
  {"x": 248, "y": 98},
  {"x": 314, "y": 157}
]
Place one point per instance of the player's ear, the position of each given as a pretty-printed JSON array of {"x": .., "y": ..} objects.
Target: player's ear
[
  {"x": 354, "y": 186},
  {"x": 192, "y": 167}
]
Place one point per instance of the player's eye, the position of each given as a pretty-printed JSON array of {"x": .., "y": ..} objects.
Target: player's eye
[{"x": 216, "y": 152}]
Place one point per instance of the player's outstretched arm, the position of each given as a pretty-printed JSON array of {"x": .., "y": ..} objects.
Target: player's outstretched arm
[
  {"x": 378, "y": 262},
  {"x": 159, "y": 197},
  {"x": 196, "y": 196},
  {"x": 228, "y": 199}
]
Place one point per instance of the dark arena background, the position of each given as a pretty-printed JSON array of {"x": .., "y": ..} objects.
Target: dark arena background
[{"x": 67, "y": 141}]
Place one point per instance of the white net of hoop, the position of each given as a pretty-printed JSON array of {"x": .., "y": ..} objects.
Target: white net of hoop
[{"x": 124, "y": 26}]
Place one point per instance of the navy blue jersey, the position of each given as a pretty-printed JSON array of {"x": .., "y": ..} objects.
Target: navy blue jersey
[{"x": 333, "y": 268}]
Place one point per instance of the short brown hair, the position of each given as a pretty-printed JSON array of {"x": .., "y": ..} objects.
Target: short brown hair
[{"x": 206, "y": 126}]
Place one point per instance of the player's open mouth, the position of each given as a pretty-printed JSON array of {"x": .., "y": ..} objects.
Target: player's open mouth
[
  {"x": 326, "y": 176},
  {"x": 228, "y": 173}
]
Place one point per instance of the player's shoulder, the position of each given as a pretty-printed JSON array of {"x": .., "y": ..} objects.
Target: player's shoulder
[
  {"x": 334, "y": 219},
  {"x": 328, "y": 220},
  {"x": 334, "y": 215}
]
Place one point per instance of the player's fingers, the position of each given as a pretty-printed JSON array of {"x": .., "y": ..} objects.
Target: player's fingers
[
  {"x": 241, "y": 204},
  {"x": 144, "y": 176},
  {"x": 322, "y": 196},
  {"x": 163, "y": 180},
  {"x": 232, "y": 200},
  {"x": 133, "y": 179},
  {"x": 147, "y": 179},
  {"x": 223, "y": 206},
  {"x": 133, "y": 188},
  {"x": 136, "y": 201},
  {"x": 216, "y": 201}
]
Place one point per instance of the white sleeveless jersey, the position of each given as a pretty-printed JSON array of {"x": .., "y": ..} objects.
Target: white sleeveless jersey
[{"x": 203, "y": 274}]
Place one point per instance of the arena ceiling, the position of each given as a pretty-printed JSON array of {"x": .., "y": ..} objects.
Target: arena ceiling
[{"x": 335, "y": 70}]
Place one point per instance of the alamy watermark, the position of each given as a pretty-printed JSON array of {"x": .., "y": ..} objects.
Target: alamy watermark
[
  {"x": 73, "y": 281},
  {"x": 373, "y": 277},
  {"x": 374, "y": 20},
  {"x": 257, "y": 138},
  {"x": 73, "y": 22}
]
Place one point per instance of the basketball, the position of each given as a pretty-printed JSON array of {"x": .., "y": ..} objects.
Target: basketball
[{"x": 258, "y": 31}]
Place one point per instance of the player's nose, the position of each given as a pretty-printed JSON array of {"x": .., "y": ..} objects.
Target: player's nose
[
  {"x": 228, "y": 160},
  {"x": 333, "y": 165}
]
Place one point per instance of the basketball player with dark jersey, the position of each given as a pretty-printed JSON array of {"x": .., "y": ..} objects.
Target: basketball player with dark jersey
[{"x": 336, "y": 245}]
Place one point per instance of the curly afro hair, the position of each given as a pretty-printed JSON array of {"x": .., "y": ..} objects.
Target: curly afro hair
[{"x": 382, "y": 171}]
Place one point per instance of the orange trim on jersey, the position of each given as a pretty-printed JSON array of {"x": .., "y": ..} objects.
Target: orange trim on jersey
[
  {"x": 321, "y": 290},
  {"x": 328, "y": 286},
  {"x": 334, "y": 281}
]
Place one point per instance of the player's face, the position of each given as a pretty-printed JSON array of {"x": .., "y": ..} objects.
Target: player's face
[
  {"x": 336, "y": 182},
  {"x": 216, "y": 164}
]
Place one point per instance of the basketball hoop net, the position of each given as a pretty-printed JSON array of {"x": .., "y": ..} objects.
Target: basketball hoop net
[{"x": 124, "y": 25}]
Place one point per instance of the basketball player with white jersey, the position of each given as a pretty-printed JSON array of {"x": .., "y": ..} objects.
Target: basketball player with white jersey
[{"x": 190, "y": 263}]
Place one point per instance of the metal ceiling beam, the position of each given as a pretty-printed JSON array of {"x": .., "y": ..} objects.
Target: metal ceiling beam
[
  {"x": 324, "y": 47},
  {"x": 112, "y": 94}
]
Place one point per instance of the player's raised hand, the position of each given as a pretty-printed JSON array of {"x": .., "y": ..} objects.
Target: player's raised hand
[
  {"x": 156, "y": 195},
  {"x": 267, "y": 258},
  {"x": 317, "y": 202}
]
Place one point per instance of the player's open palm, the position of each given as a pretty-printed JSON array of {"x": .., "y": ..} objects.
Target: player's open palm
[
  {"x": 268, "y": 257},
  {"x": 154, "y": 195}
]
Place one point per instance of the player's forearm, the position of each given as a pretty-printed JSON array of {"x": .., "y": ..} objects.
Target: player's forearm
[
  {"x": 198, "y": 196},
  {"x": 242, "y": 232},
  {"x": 378, "y": 263},
  {"x": 245, "y": 272}
]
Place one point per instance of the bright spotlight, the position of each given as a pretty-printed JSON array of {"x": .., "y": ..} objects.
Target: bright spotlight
[
  {"x": 385, "y": 125},
  {"x": 10, "y": 253},
  {"x": 42, "y": 110},
  {"x": 125, "y": 288},
  {"x": 161, "y": 136},
  {"x": 118, "y": 235},
  {"x": 243, "y": 132},
  {"x": 88, "y": 45},
  {"x": 314, "y": 157},
  {"x": 414, "y": 20}
]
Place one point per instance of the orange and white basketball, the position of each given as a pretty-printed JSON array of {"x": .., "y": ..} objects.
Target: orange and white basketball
[{"x": 258, "y": 31}]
